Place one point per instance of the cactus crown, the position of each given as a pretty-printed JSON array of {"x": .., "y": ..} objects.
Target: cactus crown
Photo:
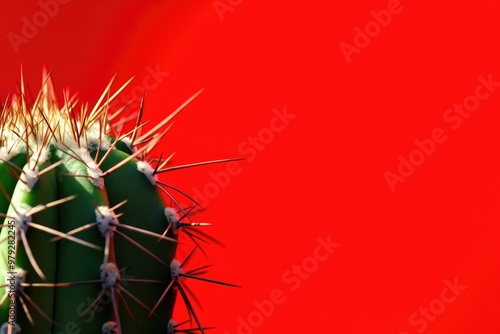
[{"x": 90, "y": 230}]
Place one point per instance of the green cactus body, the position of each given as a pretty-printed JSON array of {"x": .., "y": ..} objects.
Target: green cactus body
[{"x": 83, "y": 241}]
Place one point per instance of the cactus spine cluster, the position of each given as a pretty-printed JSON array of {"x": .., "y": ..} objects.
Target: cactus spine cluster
[{"x": 89, "y": 232}]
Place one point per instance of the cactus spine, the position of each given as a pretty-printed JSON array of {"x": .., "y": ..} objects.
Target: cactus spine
[{"x": 90, "y": 231}]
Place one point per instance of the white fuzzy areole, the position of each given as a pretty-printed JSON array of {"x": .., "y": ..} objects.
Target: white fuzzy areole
[
  {"x": 110, "y": 327},
  {"x": 10, "y": 149},
  {"x": 5, "y": 155},
  {"x": 93, "y": 170},
  {"x": 95, "y": 137},
  {"x": 172, "y": 218},
  {"x": 29, "y": 177},
  {"x": 109, "y": 275},
  {"x": 41, "y": 156},
  {"x": 95, "y": 174},
  {"x": 175, "y": 269},
  {"x": 21, "y": 217},
  {"x": 172, "y": 324},
  {"x": 146, "y": 169},
  {"x": 105, "y": 217}
]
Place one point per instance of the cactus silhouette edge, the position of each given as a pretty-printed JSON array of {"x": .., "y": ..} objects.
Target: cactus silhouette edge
[{"x": 90, "y": 230}]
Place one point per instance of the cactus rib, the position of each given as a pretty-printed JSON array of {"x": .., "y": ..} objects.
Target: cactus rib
[{"x": 90, "y": 231}]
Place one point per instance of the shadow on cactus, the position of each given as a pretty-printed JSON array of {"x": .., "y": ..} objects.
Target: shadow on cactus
[{"x": 90, "y": 231}]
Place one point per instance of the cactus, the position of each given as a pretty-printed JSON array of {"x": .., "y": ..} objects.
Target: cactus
[{"x": 89, "y": 239}]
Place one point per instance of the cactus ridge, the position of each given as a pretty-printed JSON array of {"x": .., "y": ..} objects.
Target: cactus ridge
[{"x": 90, "y": 231}]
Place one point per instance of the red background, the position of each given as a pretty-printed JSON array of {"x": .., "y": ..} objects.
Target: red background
[{"x": 324, "y": 173}]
